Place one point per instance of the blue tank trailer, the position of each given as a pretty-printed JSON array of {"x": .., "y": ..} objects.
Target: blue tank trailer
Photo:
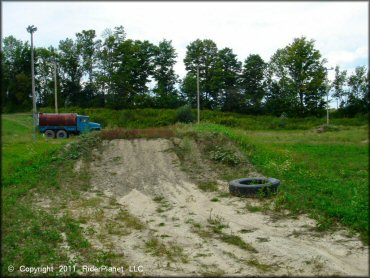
[{"x": 62, "y": 125}]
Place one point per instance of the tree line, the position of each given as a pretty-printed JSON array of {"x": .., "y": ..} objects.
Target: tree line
[{"x": 117, "y": 72}]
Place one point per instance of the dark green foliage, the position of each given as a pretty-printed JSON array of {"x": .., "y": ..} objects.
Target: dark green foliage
[
  {"x": 164, "y": 74},
  {"x": 203, "y": 54},
  {"x": 184, "y": 114},
  {"x": 226, "y": 81},
  {"x": 121, "y": 73},
  {"x": 297, "y": 80},
  {"x": 16, "y": 74},
  {"x": 253, "y": 83},
  {"x": 189, "y": 89},
  {"x": 358, "y": 93}
]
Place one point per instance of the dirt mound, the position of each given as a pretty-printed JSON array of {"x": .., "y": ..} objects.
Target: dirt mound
[
  {"x": 186, "y": 231},
  {"x": 136, "y": 164}
]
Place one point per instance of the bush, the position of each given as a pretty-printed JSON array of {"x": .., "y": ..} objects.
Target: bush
[
  {"x": 325, "y": 128},
  {"x": 184, "y": 114},
  {"x": 225, "y": 156}
]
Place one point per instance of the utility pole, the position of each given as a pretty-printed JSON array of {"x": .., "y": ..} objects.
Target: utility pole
[
  {"x": 31, "y": 29},
  {"x": 327, "y": 109},
  {"x": 198, "y": 105},
  {"x": 55, "y": 87}
]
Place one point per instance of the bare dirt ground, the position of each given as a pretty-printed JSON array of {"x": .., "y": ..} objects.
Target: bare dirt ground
[{"x": 143, "y": 207}]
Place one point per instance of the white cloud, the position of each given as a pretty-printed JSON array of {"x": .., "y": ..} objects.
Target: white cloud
[
  {"x": 340, "y": 29},
  {"x": 344, "y": 57}
]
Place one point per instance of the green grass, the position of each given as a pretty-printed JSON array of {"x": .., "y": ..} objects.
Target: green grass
[
  {"x": 164, "y": 205},
  {"x": 144, "y": 118},
  {"x": 214, "y": 230},
  {"x": 237, "y": 241},
  {"x": 322, "y": 174},
  {"x": 29, "y": 236},
  {"x": 32, "y": 236},
  {"x": 18, "y": 148},
  {"x": 208, "y": 186},
  {"x": 171, "y": 250},
  {"x": 130, "y": 220},
  {"x": 255, "y": 263}
]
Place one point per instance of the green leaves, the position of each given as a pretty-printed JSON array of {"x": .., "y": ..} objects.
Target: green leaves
[
  {"x": 121, "y": 73},
  {"x": 253, "y": 82},
  {"x": 297, "y": 79},
  {"x": 218, "y": 75},
  {"x": 166, "y": 95}
]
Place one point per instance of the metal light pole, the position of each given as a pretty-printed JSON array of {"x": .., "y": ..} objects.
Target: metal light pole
[
  {"x": 31, "y": 29},
  {"x": 55, "y": 87},
  {"x": 198, "y": 105}
]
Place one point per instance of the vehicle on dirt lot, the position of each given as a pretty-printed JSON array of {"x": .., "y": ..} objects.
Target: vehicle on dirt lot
[{"x": 62, "y": 125}]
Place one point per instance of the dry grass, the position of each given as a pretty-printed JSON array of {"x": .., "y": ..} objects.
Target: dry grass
[
  {"x": 122, "y": 133},
  {"x": 171, "y": 250}
]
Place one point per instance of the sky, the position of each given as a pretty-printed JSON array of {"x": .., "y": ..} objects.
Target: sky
[{"x": 340, "y": 29}]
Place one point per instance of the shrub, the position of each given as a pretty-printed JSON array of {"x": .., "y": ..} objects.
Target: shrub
[
  {"x": 325, "y": 128},
  {"x": 225, "y": 156},
  {"x": 184, "y": 114}
]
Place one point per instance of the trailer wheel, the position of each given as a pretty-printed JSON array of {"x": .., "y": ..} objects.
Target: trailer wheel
[
  {"x": 50, "y": 134},
  {"x": 62, "y": 134}
]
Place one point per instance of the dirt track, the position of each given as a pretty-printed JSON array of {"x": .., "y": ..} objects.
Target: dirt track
[{"x": 133, "y": 173}]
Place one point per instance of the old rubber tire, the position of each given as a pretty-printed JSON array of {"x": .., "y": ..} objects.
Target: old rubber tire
[
  {"x": 62, "y": 134},
  {"x": 50, "y": 134},
  {"x": 253, "y": 186}
]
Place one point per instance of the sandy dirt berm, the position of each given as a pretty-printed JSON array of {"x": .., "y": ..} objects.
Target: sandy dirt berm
[{"x": 143, "y": 178}]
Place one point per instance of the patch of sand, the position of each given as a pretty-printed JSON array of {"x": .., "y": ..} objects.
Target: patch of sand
[{"x": 134, "y": 172}]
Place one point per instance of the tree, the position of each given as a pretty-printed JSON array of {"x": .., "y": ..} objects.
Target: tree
[
  {"x": 16, "y": 74},
  {"x": 71, "y": 74},
  {"x": 165, "y": 76},
  {"x": 299, "y": 71},
  {"x": 107, "y": 62},
  {"x": 253, "y": 82},
  {"x": 88, "y": 47},
  {"x": 189, "y": 89},
  {"x": 133, "y": 62},
  {"x": 226, "y": 81},
  {"x": 357, "y": 82},
  {"x": 338, "y": 84},
  {"x": 279, "y": 95},
  {"x": 203, "y": 54},
  {"x": 358, "y": 95},
  {"x": 44, "y": 69}
]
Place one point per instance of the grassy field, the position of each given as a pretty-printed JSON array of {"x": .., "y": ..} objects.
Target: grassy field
[
  {"x": 30, "y": 236},
  {"x": 143, "y": 118},
  {"x": 24, "y": 166},
  {"x": 322, "y": 174},
  {"x": 18, "y": 148}
]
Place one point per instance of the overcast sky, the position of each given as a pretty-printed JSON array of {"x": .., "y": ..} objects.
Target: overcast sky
[{"x": 340, "y": 29}]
